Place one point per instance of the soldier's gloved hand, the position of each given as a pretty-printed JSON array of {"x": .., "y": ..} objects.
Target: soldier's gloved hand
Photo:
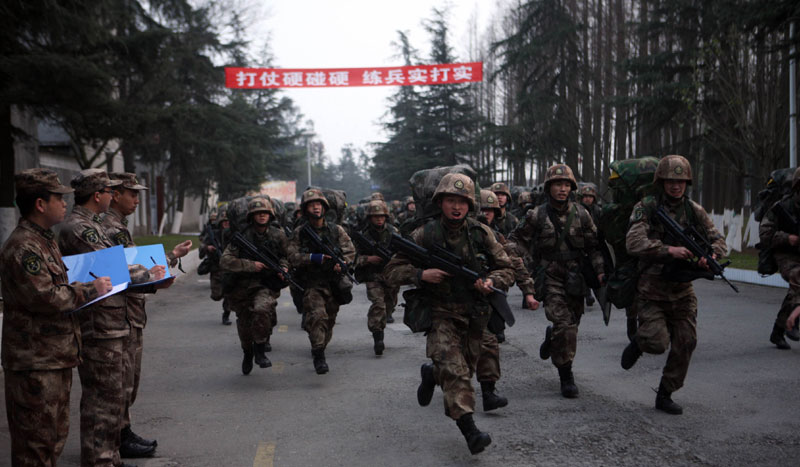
[
  {"x": 680, "y": 252},
  {"x": 318, "y": 258},
  {"x": 531, "y": 303},
  {"x": 157, "y": 272},
  {"x": 434, "y": 276},
  {"x": 102, "y": 285},
  {"x": 484, "y": 286},
  {"x": 259, "y": 266},
  {"x": 182, "y": 249}
]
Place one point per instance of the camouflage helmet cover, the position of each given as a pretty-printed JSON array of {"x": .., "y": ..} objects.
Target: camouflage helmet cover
[
  {"x": 501, "y": 187},
  {"x": 408, "y": 200},
  {"x": 587, "y": 190},
  {"x": 673, "y": 167},
  {"x": 259, "y": 204},
  {"x": 377, "y": 208},
  {"x": 526, "y": 197},
  {"x": 489, "y": 200},
  {"x": 560, "y": 172},
  {"x": 796, "y": 179},
  {"x": 376, "y": 196},
  {"x": 456, "y": 184},
  {"x": 313, "y": 194}
]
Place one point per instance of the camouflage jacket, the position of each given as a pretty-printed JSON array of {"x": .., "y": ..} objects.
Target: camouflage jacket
[
  {"x": 300, "y": 250},
  {"x": 401, "y": 271},
  {"x": 775, "y": 236},
  {"x": 645, "y": 240},
  {"x": 522, "y": 277},
  {"x": 506, "y": 224},
  {"x": 373, "y": 272},
  {"x": 37, "y": 332},
  {"x": 247, "y": 280}
]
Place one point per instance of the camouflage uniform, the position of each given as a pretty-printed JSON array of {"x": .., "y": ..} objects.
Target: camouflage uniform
[
  {"x": 41, "y": 343},
  {"x": 589, "y": 189},
  {"x": 667, "y": 310},
  {"x": 252, "y": 299},
  {"x": 105, "y": 328},
  {"x": 320, "y": 305},
  {"x": 215, "y": 274},
  {"x": 505, "y": 222},
  {"x": 382, "y": 296},
  {"x": 559, "y": 260}
]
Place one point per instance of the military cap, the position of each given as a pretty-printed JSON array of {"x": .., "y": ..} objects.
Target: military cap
[
  {"x": 92, "y": 180},
  {"x": 32, "y": 181},
  {"x": 129, "y": 180}
]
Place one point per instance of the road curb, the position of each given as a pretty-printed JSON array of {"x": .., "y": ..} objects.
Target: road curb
[{"x": 753, "y": 277}]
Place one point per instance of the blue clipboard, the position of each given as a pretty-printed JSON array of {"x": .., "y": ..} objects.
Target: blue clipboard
[
  {"x": 148, "y": 256},
  {"x": 106, "y": 262}
]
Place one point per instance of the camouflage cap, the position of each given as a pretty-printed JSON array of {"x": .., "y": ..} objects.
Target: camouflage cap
[
  {"x": 489, "y": 200},
  {"x": 92, "y": 180},
  {"x": 377, "y": 208},
  {"x": 560, "y": 172},
  {"x": 456, "y": 184},
  {"x": 33, "y": 181},
  {"x": 673, "y": 167},
  {"x": 501, "y": 187},
  {"x": 376, "y": 196},
  {"x": 129, "y": 180},
  {"x": 259, "y": 205}
]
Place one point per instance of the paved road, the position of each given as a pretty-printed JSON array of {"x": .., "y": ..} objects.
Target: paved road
[{"x": 741, "y": 396}]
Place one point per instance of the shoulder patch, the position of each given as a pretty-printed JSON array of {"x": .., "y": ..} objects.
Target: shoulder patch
[
  {"x": 32, "y": 263},
  {"x": 90, "y": 235},
  {"x": 122, "y": 238},
  {"x": 638, "y": 213}
]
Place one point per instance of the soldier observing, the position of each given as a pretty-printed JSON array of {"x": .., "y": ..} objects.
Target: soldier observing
[
  {"x": 41, "y": 342},
  {"x": 776, "y": 234},
  {"x": 105, "y": 326},
  {"x": 254, "y": 295},
  {"x": 459, "y": 309},
  {"x": 506, "y": 221},
  {"x": 124, "y": 201},
  {"x": 325, "y": 287},
  {"x": 562, "y": 238},
  {"x": 369, "y": 269},
  {"x": 666, "y": 303}
]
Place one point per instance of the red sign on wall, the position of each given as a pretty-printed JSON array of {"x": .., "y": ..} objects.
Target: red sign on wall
[{"x": 271, "y": 78}]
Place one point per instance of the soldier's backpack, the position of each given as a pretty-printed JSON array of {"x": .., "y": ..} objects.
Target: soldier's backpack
[
  {"x": 630, "y": 181},
  {"x": 778, "y": 188},
  {"x": 237, "y": 214},
  {"x": 423, "y": 185}
]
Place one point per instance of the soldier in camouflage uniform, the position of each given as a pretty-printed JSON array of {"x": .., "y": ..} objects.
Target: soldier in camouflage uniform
[
  {"x": 784, "y": 245},
  {"x": 488, "y": 367},
  {"x": 409, "y": 211},
  {"x": 587, "y": 195},
  {"x": 667, "y": 309},
  {"x": 369, "y": 269},
  {"x": 319, "y": 275},
  {"x": 215, "y": 227},
  {"x": 525, "y": 202},
  {"x": 560, "y": 235},
  {"x": 124, "y": 201},
  {"x": 41, "y": 343},
  {"x": 506, "y": 222},
  {"x": 257, "y": 288},
  {"x": 105, "y": 326},
  {"x": 459, "y": 310}
]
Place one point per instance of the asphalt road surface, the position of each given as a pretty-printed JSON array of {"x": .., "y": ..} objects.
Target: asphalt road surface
[{"x": 741, "y": 399}]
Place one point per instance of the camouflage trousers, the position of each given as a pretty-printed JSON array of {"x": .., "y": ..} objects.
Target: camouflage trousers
[
  {"x": 454, "y": 345},
  {"x": 255, "y": 317},
  {"x": 320, "y": 310},
  {"x": 133, "y": 371},
  {"x": 488, "y": 367},
  {"x": 37, "y": 408},
  {"x": 102, "y": 374},
  {"x": 215, "y": 277},
  {"x": 384, "y": 299},
  {"x": 672, "y": 325},
  {"x": 565, "y": 312}
]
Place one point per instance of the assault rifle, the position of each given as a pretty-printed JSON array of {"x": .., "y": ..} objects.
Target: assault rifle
[
  {"x": 371, "y": 246},
  {"x": 690, "y": 238},
  {"x": 325, "y": 247},
  {"x": 266, "y": 257},
  {"x": 217, "y": 253},
  {"x": 439, "y": 258},
  {"x": 787, "y": 222}
]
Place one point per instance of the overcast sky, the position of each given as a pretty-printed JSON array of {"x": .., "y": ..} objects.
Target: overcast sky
[{"x": 353, "y": 33}]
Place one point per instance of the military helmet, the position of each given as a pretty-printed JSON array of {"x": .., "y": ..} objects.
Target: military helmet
[
  {"x": 673, "y": 167},
  {"x": 313, "y": 194},
  {"x": 501, "y": 187},
  {"x": 796, "y": 179},
  {"x": 587, "y": 190},
  {"x": 559, "y": 172},
  {"x": 259, "y": 204},
  {"x": 526, "y": 197},
  {"x": 377, "y": 196},
  {"x": 377, "y": 208},
  {"x": 408, "y": 200},
  {"x": 456, "y": 184},
  {"x": 489, "y": 200}
]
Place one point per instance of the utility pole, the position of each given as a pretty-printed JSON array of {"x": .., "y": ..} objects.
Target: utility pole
[
  {"x": 792, "y": 100},
  {"x": 308, "y": 157}
]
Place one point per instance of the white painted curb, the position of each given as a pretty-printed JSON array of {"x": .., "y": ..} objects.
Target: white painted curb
[{"x": 753, "y": 277}]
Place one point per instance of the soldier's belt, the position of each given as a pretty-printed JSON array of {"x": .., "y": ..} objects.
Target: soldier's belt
[{"x": 562, "y": 256}]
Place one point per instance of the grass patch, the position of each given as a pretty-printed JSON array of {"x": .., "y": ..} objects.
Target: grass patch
[
  {"x": 168, "y": 240},
  {"x": 746, "y": 259}
]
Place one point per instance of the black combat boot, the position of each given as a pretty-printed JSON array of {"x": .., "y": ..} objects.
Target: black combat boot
[
  {"x": 632, "y": 328},
  {"x": 501, "y": 337},
  {"x": 491, "y": 399},
  {"x": 260, "y": 357},
  {"x": 247, "y": 362},
  {"x": 320, "y": 365},
  {"x": 389, "y": 319},
  {"x": 568, "y": 387},
  {"x": 631, "y": 353},
  {"x": 377, "y": 336},
  {"x": 476, "y": 439},
  {"x": 664, "y": 402},
  {"x": 544, "y": 350},
  {"x": 267, "y": 345},
  {"x": 226, "y": 318},
  {"x": 777, "y": 338},
  {"x": 131, "y": 450},
  {"x": 128, "y": 434},
  {"x": 427, "y": 385}
]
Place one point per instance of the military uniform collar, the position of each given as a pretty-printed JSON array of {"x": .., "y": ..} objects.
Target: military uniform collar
[
  {"x": 87, "y": 213},
  {"x": 34, "y": 227},
  {"x": 449, "y": 227},
  {"x": 560, "y": 209},
  {"x": 113, "y": 212}
]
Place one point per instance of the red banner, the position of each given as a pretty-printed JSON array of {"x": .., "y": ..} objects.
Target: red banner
[{"x": 270, "y": 78}]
